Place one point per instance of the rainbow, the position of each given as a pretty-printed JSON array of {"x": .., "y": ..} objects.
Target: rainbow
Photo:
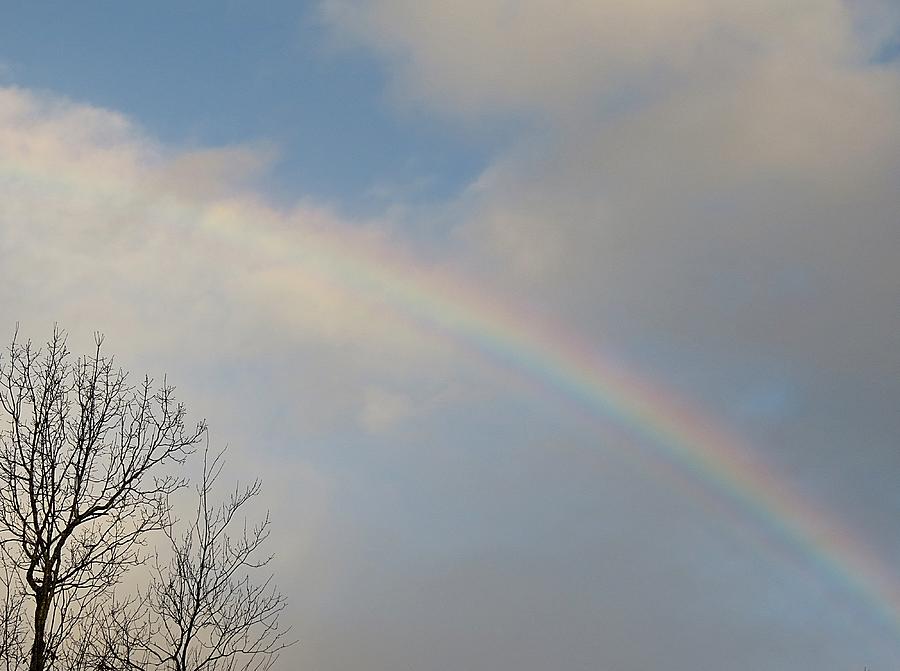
[
  {"x": 437, "y": 300},
  {"x": 685, "y": 440}
]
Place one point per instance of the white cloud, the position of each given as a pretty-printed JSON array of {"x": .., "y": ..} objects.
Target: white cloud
[
  {"x": 383, "y": 409},
  {"x": 278, "y": 324},
  {"x": 170, "y": 250}
]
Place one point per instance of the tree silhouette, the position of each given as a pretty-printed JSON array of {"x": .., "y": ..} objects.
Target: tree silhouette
[
  {"x": 201, "y": 611},
  {"x": 83, "y": 486}
]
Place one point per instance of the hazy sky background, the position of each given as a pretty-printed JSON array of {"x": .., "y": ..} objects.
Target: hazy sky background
[{"x": 708, "y": 189}]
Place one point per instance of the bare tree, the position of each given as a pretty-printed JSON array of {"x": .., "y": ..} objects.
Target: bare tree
[
  {"x": 81, "y": 484},
  {"x": 201, "y": 611},
  {"x": 13, "y": 636}
]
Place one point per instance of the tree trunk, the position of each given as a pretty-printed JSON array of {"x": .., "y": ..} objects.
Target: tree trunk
[{"x": 39, "y": 647}]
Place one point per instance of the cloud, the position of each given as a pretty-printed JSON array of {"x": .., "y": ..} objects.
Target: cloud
[
  {"x": 705, "y": 170},
  {"x": 383, "y": 409},
  {"x": 106, "y": 228},
  {"x": 732, "y": 215},
  {"x": 215, "y": 172},
  {"x": 493, "y": 56},
  {"x": 709, "y": 186}
]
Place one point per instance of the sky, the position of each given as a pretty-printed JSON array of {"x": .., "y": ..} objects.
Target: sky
[{"x": 561, "y": 336}]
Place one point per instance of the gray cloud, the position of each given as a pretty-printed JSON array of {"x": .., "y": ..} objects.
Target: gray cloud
[{"x": 712, "y": 188}]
